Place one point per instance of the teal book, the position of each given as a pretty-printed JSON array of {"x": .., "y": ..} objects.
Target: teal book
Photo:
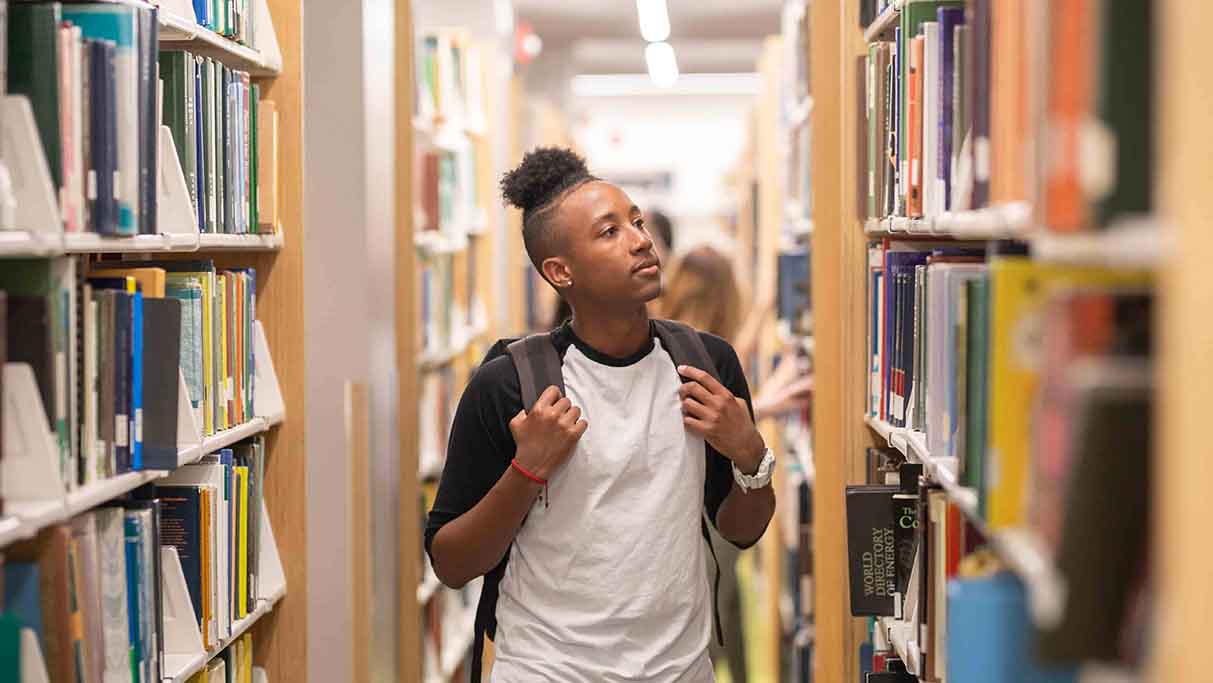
[
  {"x": 23, "y": 596},
  {"x": 189, "y": 292}
]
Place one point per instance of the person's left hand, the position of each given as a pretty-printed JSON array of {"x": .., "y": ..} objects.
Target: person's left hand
[{"x": 712, "y": 411}]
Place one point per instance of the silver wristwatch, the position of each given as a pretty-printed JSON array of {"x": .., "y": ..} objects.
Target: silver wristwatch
[{"x": 761, "y": 478}]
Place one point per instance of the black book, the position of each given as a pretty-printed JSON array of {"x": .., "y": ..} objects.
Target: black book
[
  {"x": 1105, "y": 541},
  {"x": 103, "y": 129},
  {"x": 871, "y": 549},
  {"x": 905, "y": 534},
  {"x": 161, "y": 364},
  {"x": 891, "y": 677},
  {"x": 181, "y": 528},
  {"x": 33, "y": 71},
  {"x": 30, "y": 338},
  {"x": 3, "y": 360}
]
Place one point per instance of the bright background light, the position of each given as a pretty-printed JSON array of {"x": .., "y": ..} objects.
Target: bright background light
[
  {"x": 663, "y": 67},
  {"x": 654, "y": 20}
]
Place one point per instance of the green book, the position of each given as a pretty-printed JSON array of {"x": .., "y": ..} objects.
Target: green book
[
  {"x": 254, "y": 158},
  {"x": 175, "y": 70},
  {"x": 977, "y": 294},
  {"x": 913, "y": 16},
  {"x": 33, "y": 71},
  {"x": 1126, "y": 106}
]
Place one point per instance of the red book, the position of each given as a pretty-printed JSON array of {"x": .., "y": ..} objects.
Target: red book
[{"x": 914, "y": 124}]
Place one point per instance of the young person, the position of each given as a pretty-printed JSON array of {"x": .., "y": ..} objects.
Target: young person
[{"x": 584, "y": 510}]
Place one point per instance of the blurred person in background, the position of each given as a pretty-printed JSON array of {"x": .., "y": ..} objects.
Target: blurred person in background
[{"x": 703, "y": 292}]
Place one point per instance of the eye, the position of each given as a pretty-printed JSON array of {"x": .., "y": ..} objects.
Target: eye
[
  {"x": 610, "y": 232},
  {"x": 639, "y": 223}
]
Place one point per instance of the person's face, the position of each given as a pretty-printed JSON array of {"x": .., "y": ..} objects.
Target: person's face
[{"x": 607, "y": 254}]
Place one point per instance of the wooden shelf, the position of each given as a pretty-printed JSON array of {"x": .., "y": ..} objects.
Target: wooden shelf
[
  {"x": 27, "y": 519},
  {"x": 882, "y": 27},
  {"x": 19, "y": 243},
  {"x": 181, "y": 32},
  {"x": 1010, "y": 221}
]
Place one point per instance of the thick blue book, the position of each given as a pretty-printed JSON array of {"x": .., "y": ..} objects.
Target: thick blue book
[
  {"x": 202, "y": 12},
  {"x": 181, "y": 528},
  {"x": 22, "y": 595},
  {"x": 990, "y": 633}
]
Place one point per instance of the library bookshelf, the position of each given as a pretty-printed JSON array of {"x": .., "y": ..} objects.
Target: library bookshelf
[{"x": 1166, "y": 246}]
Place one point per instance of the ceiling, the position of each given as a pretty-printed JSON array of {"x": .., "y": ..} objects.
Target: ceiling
[{"x": 709, "y": 36}]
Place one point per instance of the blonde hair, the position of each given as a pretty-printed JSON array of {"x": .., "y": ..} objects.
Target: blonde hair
[{"x": 702, "y": 292}]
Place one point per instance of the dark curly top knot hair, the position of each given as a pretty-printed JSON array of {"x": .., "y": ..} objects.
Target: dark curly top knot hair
[{"x": 545, "y": 175}]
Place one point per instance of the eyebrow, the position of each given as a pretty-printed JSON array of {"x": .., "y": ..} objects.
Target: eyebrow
[{"x": 612, "y": 215}]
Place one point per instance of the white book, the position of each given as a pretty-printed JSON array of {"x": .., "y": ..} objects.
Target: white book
[
  {"x": 111, "y": 544},
  {"x": 944, "y": 282},
  {"x": 84, "y": 533},
  {"x": 930, "y": 120}
]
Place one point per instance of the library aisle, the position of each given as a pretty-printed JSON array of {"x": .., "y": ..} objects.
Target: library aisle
[{"x": 256, "y": 261}]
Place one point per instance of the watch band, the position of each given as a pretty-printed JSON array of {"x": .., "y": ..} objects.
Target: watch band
[{"x": 761, "y": 478}]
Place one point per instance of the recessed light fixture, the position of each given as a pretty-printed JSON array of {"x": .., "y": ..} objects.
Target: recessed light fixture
[
  {"x": 663, "y": 66},
  {"x": 654, "y": 20}
]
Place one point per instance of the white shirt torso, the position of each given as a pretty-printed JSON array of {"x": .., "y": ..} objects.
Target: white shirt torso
[{"x": 605, "y": 582}]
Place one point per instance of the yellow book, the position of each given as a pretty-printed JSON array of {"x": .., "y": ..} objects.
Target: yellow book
[
  {"x": 151, "y": 280},
  {"x": 205, "y": 500},
  {"x": 1020, "y": 291},
  {"x": 242, "y": 540},
  {"x": 200, "y": 677},
  {"x": 248, "y": 658}
]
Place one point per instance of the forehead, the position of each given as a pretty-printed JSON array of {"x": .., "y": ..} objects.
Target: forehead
[{"x": 595, "y": 199}]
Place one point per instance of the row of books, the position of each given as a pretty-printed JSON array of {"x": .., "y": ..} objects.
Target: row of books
[
  {"x": 89, "y": 71},
  {"x": 941, "y": 137},
  {"x": 109, "y": 344},
  {"x": 439, "y": 309},
  {"x": 449, "y": 83},
  {"x": 226, "y": 141},
  {"x": 928, "y": 575},
  {"x": 211, "y": 513},
  {"x": 436, "y": 411},
  {"x": 981, "y": 356},
  {"x": 448, "y": 200},
  {"x": 869, "y": 10},
  {"x": 100, "y": 89},
  {"x": 233, "y": 665},
  {"x": 232, "y": 19},
  {"x": 90, "y": 591}
]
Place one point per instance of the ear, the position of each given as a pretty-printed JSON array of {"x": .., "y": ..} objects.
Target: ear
[{"x": 556, "y": 270}]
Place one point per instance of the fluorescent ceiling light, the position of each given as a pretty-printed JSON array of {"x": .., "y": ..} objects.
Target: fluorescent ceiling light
[
  {"x": 654, "y": 20},
  {"x": 627, "y": 85},
  {"x": 663, "y": 67}
]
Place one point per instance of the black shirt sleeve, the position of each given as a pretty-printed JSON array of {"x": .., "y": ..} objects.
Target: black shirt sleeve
[
  {"x": 719, "y": 479},
  {"x": 481, "y": 445}
]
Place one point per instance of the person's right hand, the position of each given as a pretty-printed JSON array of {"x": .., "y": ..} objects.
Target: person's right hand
[{"x": 547, "y": 435}]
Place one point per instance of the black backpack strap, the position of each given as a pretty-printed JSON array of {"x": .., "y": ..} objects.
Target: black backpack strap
[
  {"x": 685, "y": 346},
  {"x": 538, "y": 365}
]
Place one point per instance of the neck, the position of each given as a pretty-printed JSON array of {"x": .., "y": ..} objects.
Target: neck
[{"x": 615, "y": 333}]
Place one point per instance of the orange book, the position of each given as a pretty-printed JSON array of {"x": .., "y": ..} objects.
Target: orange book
[
  {"x": 1010, "y": 138},
  {"x": 1071, "y": 102},
  {"x": 914, "y": 126}
]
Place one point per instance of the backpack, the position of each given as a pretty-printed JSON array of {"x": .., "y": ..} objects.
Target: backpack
[{"x": 539, "y": 366}]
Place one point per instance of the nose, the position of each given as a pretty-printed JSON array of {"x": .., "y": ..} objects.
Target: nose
[{"x": 641, "y": 240}]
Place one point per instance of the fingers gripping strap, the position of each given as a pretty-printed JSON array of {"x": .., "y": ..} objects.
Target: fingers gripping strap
[
  {"x": 685, "y": 346},
  {"x": 538, "y": 366}
]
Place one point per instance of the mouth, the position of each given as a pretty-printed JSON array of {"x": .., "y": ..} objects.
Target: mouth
[{"x": 648, "y": 268}]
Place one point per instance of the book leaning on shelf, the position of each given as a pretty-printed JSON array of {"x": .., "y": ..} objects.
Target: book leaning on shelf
[{"x": 94, "y": 76}]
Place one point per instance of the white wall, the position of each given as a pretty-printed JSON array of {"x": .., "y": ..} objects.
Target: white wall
[{"x": 697, "y": 138}]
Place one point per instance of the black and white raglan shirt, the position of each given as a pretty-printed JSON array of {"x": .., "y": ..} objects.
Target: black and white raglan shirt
[{"x": 605, "y": 581}]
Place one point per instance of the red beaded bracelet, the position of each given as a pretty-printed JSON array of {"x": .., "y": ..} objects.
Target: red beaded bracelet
[{"x": 535, "y": 478}]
